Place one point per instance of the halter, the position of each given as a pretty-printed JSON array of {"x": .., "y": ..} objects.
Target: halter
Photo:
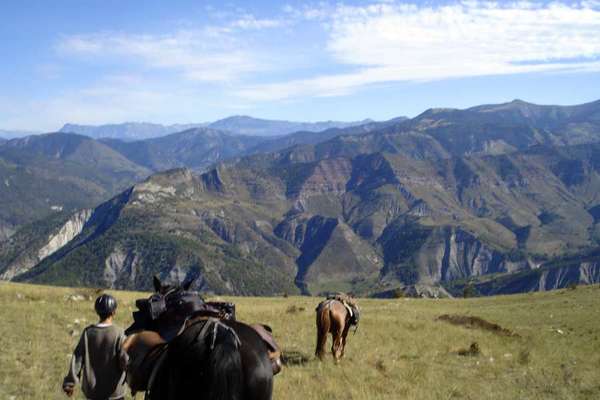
[{"x": 158, "y": 305}]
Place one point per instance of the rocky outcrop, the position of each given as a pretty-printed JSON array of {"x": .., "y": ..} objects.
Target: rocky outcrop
[
  {"x": 328, "y": 177},
  {"x": 589, "y": 273},
  {"x": 67, "y": 232},
  {"x": 542, "y": 279},
  {"x": 211, "y": 180},
  {"x": 121, "y": 266},
  {"x": 426, "y": 291},
  {"x": 180, "y": 183},
  {"x": 556, "y": 278},
  {"x": 451, "y": 253},
  {"x": 417, "y": 290},
  {"x": 55, "y": 241}
]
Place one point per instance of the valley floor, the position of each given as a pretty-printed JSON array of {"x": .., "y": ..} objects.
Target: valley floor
[{"x": 401, "y": 349}]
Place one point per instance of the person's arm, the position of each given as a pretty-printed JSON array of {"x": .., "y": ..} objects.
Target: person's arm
[{"x": 74, "y": 373}]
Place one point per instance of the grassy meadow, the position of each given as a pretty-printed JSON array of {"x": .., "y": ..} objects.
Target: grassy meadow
[{"x": 401, "y": 349}]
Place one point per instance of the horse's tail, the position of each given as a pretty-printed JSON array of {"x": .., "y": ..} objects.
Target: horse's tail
[
  {"x": 225, "y": 365},
  {"x": 323, "y": 324}
]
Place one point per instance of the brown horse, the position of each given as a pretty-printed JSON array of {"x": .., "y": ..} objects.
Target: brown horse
[
  {"x": 144, "y": 349},
  {"x": 335, "y": 317}
]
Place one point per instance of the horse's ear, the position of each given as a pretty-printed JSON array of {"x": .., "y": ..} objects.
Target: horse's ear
[
  {"x": 157, "y": 284},
  {"x": 187, "y": 283}
]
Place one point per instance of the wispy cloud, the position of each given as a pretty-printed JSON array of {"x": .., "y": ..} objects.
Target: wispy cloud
[
  {"x": 212, "y": 53},
  {"x": 207, "y": 55},
  {"x": 249, "y": 21},
  {"x": 392, "y": 41}
]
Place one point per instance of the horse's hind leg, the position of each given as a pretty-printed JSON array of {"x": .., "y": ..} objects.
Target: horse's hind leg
[
  {"x": 322, "y": 330},
  {"x": 321, "y": 343},
  {"x": 337, "y": 345}
]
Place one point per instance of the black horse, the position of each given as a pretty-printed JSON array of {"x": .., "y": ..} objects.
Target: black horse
[{"x": 202, "y": 358}]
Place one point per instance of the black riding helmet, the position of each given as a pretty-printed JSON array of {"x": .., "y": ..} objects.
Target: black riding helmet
[{"x": 105, "y": 306}]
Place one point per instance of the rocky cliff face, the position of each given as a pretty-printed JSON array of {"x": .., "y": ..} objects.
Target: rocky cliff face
[
  {"x": 67, "y": 232},
  {"x": 544, "y": 278},
  {"x": 451, "y": 253},
  {"x": 60, "y": 237},
  {"x": 555, "y": 278},
  {"x": 121, "y": 267}
]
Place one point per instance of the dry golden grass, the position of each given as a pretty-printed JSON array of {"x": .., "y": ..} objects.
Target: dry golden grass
[{"x": 401, "y": 350}]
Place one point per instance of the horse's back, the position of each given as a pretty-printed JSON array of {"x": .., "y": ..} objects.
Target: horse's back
[{"x": 335, "y": 309}]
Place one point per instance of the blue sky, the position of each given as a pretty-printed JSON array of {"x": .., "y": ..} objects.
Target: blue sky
[{"x": 95, "y": 62}]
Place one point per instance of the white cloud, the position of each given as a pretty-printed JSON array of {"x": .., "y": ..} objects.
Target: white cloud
[
  {"x": 211, "y": 54},
  {"x": 199, "y": 55},
  {"x": 405, "y": 42},
  {"x": 249, "y": 21}
]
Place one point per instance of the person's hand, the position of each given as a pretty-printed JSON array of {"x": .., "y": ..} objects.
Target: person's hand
[{"x": 68, "y": 388}]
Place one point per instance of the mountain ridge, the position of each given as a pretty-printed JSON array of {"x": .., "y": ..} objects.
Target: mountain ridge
[
  {"x": 126, "y": 130},
  {"x": 237, "y": 124},
  {"x": 258, "y": 209},
  {"x": 448, "y": 199}
]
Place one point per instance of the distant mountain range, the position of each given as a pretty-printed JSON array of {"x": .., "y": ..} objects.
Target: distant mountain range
[
  {"x": 240, "y": 125},
  {"x": 198, "y": 148},
  {"x": 127, "y": 131},
  {"x": 244, "y": 125},
  {"x": 503, "y": 198},
  {"x": 10, "y": 134}
]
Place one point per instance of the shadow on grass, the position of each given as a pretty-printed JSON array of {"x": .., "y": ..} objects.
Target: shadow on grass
[
  {"x": 477, "y": 323},
  {"x": 292, "y": 358}
]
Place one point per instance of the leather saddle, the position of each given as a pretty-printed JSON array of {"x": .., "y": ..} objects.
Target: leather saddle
[{"x": 272, "y": 348}]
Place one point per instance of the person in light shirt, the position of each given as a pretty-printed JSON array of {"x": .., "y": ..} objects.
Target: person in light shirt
[{"x": 99, "y": 361}]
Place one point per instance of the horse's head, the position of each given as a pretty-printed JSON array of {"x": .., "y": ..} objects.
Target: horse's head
[{"x": 166, "y": 308}]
